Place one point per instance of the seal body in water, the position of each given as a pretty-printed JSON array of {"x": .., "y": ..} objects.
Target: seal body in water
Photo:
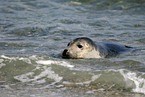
[{"x": 84, "y": 47}]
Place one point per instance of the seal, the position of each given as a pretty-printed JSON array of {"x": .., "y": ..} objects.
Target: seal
[{"x": 84, "y": 47}]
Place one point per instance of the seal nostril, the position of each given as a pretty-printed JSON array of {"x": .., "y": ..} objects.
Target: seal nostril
[{"x": 65, "y": 52}]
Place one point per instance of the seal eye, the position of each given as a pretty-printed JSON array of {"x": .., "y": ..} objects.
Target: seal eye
[{"x": 79, "y": 46}]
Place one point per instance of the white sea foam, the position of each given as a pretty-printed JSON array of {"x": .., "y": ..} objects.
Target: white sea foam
[
  {"x": 49, "y": 62},
  {"x": 47, "y": 72},
  {"x": 25, "y": 77},
  {"x": 5, "y": 57},
  {"x": 27, "y": 60},
  {"x": 139, "y": 81}
]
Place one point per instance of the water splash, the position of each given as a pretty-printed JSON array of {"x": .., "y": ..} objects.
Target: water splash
[{"x": 138, "y": 81}]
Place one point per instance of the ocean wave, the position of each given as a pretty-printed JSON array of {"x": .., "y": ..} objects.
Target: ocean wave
[{"x": 65, "y": 73}]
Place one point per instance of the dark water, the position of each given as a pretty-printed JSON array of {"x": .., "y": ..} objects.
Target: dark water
[{"x": 33, "y": 33}]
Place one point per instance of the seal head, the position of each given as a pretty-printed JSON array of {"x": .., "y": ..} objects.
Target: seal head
[
  {"x": 84, "y": 47},
  {"x": 81, "y": 48}
]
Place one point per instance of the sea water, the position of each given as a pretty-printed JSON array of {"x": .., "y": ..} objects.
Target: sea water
[{"x": 33, "y": 34}]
